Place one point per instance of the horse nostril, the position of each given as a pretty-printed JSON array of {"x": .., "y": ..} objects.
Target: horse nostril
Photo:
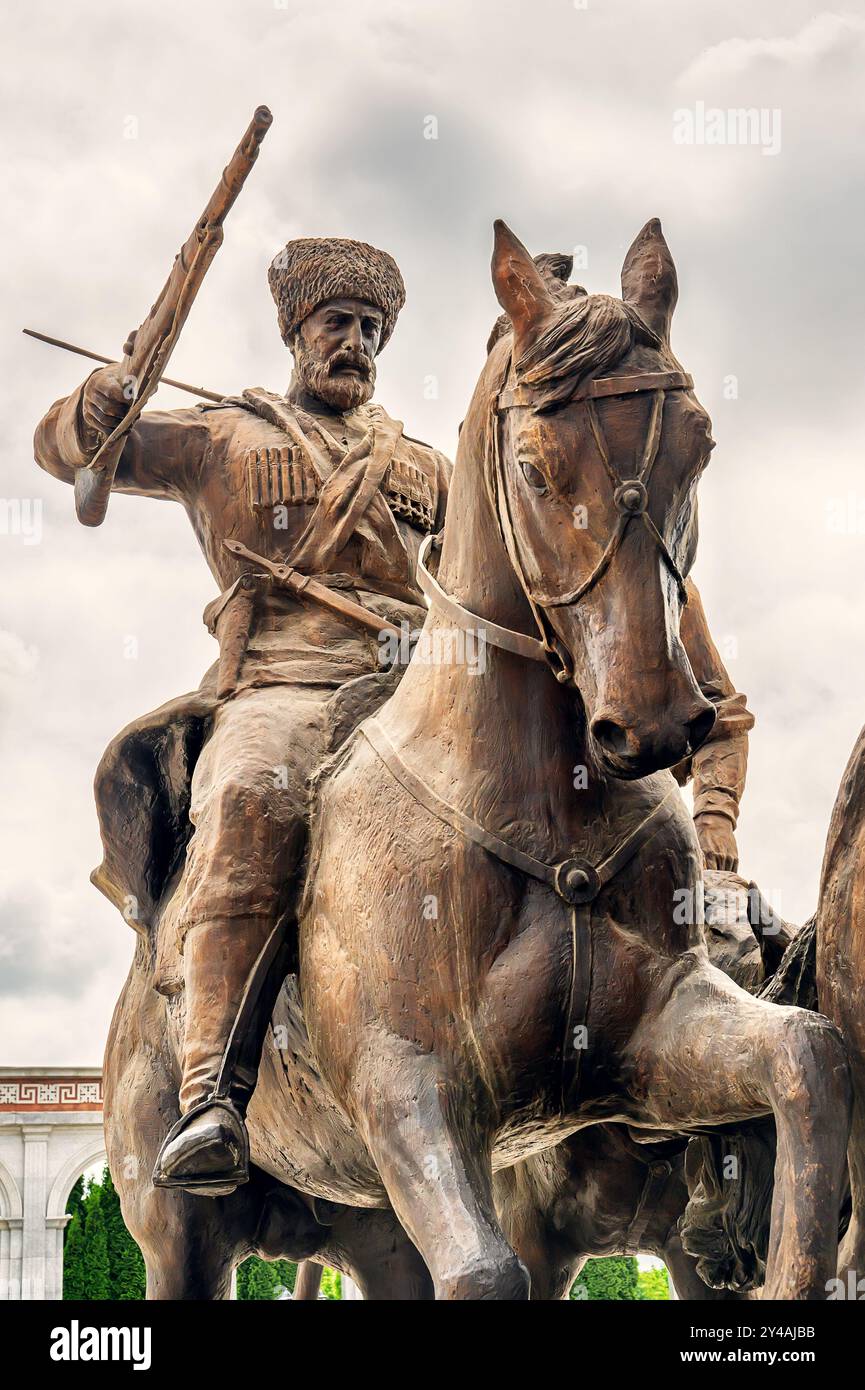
[
  {"x": 612, "y": 737},
  {"x": 700, "y": 728}
]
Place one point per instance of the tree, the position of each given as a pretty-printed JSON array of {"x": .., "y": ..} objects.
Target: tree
[
  {"x": 75, "y": 1203},
  {"x": 616, "y": 1278},
  {"x": 654, "y": 1284},
  {"x": 74, "y": 1283},
  {"x": 97, "y": 1272},
  {"x": 259, "y": 1279},
  {"x": 265, "y": 1279},
  {"x": 125, "y": 1261},
  {"x": 100, "y": 1258},
  {"x": 286, "y": 1274},
  {"x": 331, "y": 1283}
]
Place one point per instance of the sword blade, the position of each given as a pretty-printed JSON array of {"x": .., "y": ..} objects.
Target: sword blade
[{"x": 97, "y": 357}]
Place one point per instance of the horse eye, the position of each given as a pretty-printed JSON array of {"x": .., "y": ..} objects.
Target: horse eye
[{"x": 534, "y": 477}]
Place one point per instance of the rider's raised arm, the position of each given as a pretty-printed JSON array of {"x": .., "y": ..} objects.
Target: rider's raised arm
[
  {"x": 720, "y": 766},
  {"x": 163, "y": 451}
]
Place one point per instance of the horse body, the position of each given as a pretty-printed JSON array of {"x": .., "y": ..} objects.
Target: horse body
[
  {"x": 446, "y": 1036},
  {"x": 457, "y": 1015}
]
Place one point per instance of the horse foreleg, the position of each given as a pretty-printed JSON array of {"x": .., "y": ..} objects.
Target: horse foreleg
[
  {"x": 307, "y": 1282},
  {"x": 433, "y": 1158},
  {"x": 373, "y": 1248},
  {"x": 714, "y": 1055}
]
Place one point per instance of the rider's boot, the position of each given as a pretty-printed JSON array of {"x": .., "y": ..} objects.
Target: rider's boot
[{"x": 229, "y": 979}]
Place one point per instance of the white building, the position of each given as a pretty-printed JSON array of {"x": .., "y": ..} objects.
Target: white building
[{"x": 50, "y": 1133}]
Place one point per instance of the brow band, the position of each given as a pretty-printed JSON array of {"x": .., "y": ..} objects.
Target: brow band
[{"x": 602, "y": 386}]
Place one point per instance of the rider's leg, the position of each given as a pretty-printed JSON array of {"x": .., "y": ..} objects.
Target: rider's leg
[
  {"x": 207, "y": 1150},
  {"x": 249, "y": 808}
]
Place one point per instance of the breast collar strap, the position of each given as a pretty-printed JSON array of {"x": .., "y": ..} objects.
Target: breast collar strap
[{"x": 575, "y": 880}]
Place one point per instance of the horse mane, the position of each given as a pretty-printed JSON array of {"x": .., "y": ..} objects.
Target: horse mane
[
  {"x": 725, "y": 1225},
  {"x": 590, "y": 333}
]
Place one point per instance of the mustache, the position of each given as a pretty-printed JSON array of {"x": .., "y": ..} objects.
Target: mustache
[{"x": 349, "y": 357}]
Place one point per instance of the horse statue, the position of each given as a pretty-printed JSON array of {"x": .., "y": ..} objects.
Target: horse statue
[{"x": 490, "y": 959}]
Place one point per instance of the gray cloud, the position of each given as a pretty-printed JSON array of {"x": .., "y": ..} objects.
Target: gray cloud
[{"x": 558, "y": 119}]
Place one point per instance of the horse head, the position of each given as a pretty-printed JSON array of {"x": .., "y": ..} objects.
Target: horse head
[{"x": 597, "y": 445}]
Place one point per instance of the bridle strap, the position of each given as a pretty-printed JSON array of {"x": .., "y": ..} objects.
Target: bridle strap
[
  {"x": 622, "y": 487},
  {"x": 601, "y": 386},
  {"x": 494, "y": 633},
  {"x": 630, "y": 494},
  {"x": 520, "y": 643}
]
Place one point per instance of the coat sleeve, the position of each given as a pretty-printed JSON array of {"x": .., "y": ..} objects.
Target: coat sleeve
[
  {"x": 720, "y": 766},
  {"x": 162, "y": 457}
]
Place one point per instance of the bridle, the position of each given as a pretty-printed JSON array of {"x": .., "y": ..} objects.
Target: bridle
[
  {"x": 575, "y": 880},
  {"x": 630, "y": 495}
]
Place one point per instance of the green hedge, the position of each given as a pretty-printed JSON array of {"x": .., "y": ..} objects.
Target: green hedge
[
  {"x": 619, "y": 1278},
  {"x": 102, "y": 1261}
]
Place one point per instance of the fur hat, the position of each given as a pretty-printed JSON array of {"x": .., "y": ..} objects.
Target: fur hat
[{"x": 312, "y": 270}]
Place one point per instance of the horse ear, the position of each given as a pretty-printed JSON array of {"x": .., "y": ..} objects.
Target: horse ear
[
  {"x": 649, "y": 281},
  {"x": 519, "y": 286}
]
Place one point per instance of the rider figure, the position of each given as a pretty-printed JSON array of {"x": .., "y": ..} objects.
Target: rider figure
[{"x": 325, "y": 480}]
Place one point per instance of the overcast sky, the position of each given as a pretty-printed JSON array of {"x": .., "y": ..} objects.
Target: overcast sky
[{"x": 567, "y": 121}]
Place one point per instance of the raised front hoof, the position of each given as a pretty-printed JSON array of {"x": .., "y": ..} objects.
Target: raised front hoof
[{"x": 206, "y": 1153}]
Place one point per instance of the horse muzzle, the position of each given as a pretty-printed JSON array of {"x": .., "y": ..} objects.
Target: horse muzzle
[{"x": 628, "y": 749}]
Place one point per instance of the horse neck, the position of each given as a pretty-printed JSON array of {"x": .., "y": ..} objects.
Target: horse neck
[{"x": 515, "y": 710}]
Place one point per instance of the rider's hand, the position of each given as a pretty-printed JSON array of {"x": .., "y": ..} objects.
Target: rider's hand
[
  {"x": 717, "y": 841},
  {"x": 105, "y": 400}
]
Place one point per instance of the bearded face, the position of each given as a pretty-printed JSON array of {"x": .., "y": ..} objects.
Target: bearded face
[
  {"x": 343, "y": 381},
  {"x": 334, "y": 353}
]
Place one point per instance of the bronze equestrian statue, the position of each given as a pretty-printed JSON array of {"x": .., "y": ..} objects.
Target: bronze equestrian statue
[
  {"x": 490, "y": 961},
  {"x": 477, "y": 953},
  {"x": 489, "y": 953}
]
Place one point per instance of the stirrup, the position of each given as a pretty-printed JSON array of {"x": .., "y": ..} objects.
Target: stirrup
[{"x": 230, "y": 1178}]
